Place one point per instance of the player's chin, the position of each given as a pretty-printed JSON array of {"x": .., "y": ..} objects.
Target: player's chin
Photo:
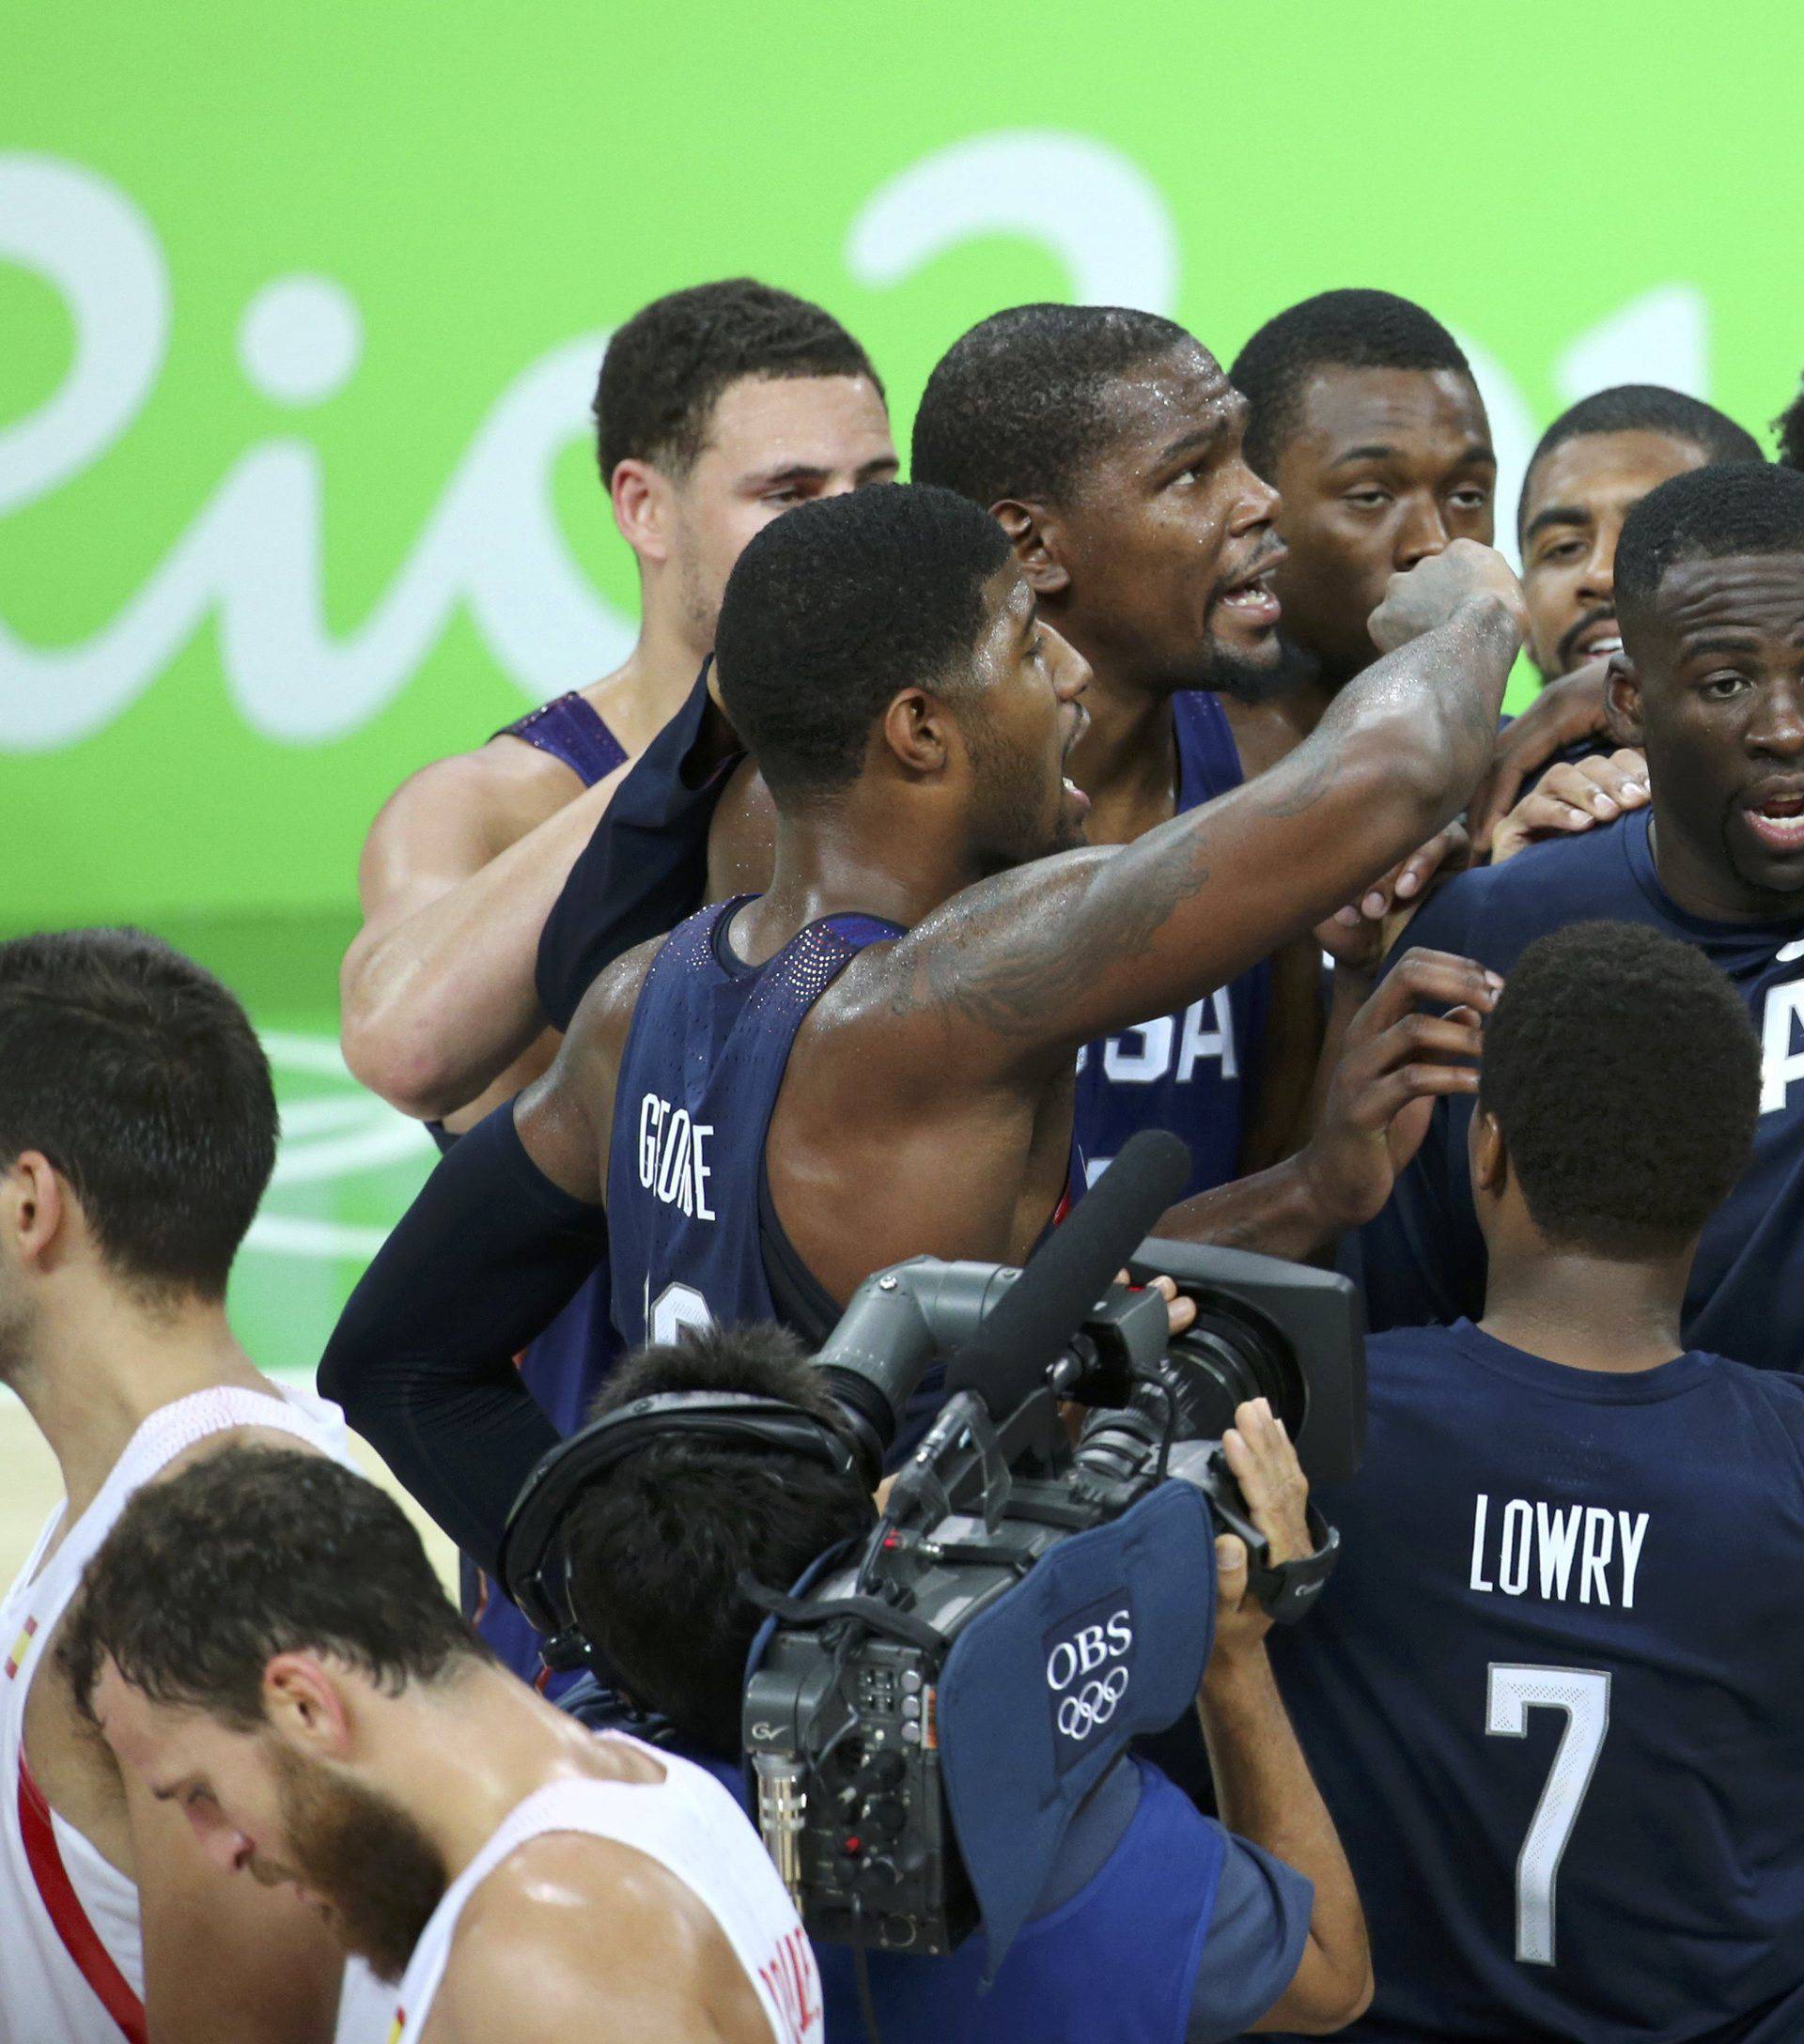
[
  {"x": 1771, "y": 869},
  {"x": 1239, "y": 641}
]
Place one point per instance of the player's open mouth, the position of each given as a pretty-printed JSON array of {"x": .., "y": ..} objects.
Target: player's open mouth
[
  {"x": 1600, "y": 642},
  {"x": 1778, "y": 821},
  {"x": 1251, "y": 600}
]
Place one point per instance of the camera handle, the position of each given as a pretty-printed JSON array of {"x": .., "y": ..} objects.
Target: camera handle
[{"x": 1288, "y": 1589}]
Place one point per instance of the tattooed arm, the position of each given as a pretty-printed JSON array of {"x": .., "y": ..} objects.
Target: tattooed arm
[{"x": 1017, "y": 973}]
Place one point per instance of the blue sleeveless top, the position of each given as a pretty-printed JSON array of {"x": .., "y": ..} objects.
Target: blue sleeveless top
[
  {"x": 570, "y": 730},
  {"x": 1190, "y": 1073},
  {"x": 564, "y": 1368},
  {"x": 709, "y": 1040}
]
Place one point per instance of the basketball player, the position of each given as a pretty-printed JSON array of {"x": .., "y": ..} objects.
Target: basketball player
[
  {"x": 1597, "y": 461},
  {"x": 718, "y": 408},
  {"x": 874, "y": 1059},
  {"x": 1709, "y": 589},
  {"x": 1551, "y": 1692},
  {"x": 1067, "y": 424},
  {"x": 263, "y": 1641},
  {"x": 137, "y": 1132}
]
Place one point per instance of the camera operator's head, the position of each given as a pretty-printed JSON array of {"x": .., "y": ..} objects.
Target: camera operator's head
[
  {"x": 1617, "y": 1101},
  {"x": 656, "y": 1546}
]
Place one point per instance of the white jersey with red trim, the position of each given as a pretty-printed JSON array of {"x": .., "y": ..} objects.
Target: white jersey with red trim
[
  {"x": 692, "y": 1827},
  {"x": 71, "y": 1958}
]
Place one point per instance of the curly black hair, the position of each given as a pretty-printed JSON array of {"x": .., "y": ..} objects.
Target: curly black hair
[
  {"x": 1737, "y": 508},
  {"x": 1625, "y": 1076},
  {"x": 1335, "y": 330},
  {"x": 1645, "y": 408},
  {"x": 1015, "y": 408},
  {"x": 666, "y": 367},
  {"x": 837, "y": 605},
  {"x": 656, "y": 1546}
]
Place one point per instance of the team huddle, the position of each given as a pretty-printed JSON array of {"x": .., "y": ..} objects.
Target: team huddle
[{"x": 1139, "y": 764}]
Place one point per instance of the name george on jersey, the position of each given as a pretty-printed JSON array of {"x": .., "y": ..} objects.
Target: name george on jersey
[
  {"x": 672, "y": 1156},
  {"x": 1564, "y": 1552}
]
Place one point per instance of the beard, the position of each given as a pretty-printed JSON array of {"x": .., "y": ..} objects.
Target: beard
[
  {"x": 367, "y": 1857},
  {"x": 1254, "y": 682}
]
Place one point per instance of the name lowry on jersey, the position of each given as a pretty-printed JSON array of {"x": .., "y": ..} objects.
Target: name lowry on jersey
[
  {"x": 672, "y": 1156},
  {"x": 1557, "y": 1552}
]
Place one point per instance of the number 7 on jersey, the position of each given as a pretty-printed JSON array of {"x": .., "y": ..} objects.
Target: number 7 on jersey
[{"x": 1583, "y": 1694}]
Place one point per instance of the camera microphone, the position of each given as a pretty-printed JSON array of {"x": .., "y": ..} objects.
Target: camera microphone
[{"x": 1006, "y": 1358}]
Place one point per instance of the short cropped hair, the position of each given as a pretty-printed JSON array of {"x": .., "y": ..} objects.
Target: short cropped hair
[
  {"x": 1625, "y": 1076},
  {"x": 250, "y": 1552},
  {"x": 140, "y": 1079},
  {"x": 1017, "y": 407},
  {"x": 1706, "y": 514},
  {"x": 657, "y": 1544},
  {"x": 1645, "y": 408},
  {"x": 1335, "y": 330},
  {"x": 837, "y": 605},
  {"x": 666, "y": 368}
]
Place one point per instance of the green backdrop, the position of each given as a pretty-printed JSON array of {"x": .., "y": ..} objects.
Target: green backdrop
[{"x": 300, "y": 310}]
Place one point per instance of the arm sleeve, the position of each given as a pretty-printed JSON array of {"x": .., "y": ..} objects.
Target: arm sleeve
[
  {"x": 643, "y": 872},
  {"x": 1254, "y": 1944},
  {"x": 1421, "y": 1259},
  {"x": 421, "y": 1359}
]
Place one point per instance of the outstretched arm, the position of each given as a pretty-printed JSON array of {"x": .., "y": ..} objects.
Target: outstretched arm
[{"x": 1022, "y": 970}]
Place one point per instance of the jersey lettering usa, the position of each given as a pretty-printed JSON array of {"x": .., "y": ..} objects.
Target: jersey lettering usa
[
  {"x": 1424, "y": 1259},
  {"x": 706, "y": 1053},
  {"x": 1550, "y": 1695},
  {"x": 1190, "y": 1073}
]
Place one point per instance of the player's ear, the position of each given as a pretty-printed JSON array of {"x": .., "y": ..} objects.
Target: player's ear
[
  {"x": 1034, "y": 534},
  {"x": 1622, "y": 701},
  {"x": 37, "y": 1215},
  {"x": 640, "y": 498},
  {"x": 917, "y": 730},
  {"x": 304, "y": 1707},
  {"x": 1490, "y": 1156}
]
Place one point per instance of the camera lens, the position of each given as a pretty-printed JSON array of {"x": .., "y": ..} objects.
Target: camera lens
[{"x": 1221, "y": 1361}]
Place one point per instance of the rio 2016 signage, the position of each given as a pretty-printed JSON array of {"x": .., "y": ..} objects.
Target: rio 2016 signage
[{"x": 250, "y": 561}]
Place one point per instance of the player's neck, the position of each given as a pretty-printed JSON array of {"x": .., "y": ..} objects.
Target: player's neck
[
  {"x": 641, "y": 696},
  {"x": 1126, "y": 761},
  {"x": 510, "y": 1742},
  {"x": 1703, "y": 886},
  {"x": 109, "y": 1363},
  {"x": 872, "y": 858},
  {"x": 1586, "y": 1311}
]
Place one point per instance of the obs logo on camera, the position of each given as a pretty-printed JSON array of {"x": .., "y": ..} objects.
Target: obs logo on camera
[{"x": 1089, "y": 1669}]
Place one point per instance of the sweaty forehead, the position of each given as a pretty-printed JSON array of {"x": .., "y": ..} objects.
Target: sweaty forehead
[
  {"x": 812, "y": 421},
  {"x": 1753, "y": 592},
  {"x": 1411, "y": 409},
  {"x": 1607, "y": 469},
  {"x": 1150, "y": 407}
]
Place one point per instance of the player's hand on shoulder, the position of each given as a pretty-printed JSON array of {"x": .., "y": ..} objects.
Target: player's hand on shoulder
[
  {"x": 1420, "y": 598},
  {"x": 1566, "y": 712},
  {"x": 1573, "y": 795},
  {"x": 1415, "y": 1040},
  {"x": 1359, "y": 936},
  {"x": 1264, "y": 1462}
]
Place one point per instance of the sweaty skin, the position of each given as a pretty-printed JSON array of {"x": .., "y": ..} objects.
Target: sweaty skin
[
  {"x": 465, "y": 862},
  {"x": 957, "y": 1041}
]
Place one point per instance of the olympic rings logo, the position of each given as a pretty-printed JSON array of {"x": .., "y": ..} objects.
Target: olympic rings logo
[{"x": 1095, "y": 1704}]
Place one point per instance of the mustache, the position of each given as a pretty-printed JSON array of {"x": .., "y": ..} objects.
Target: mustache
[{"x": 1570, "y": 638}]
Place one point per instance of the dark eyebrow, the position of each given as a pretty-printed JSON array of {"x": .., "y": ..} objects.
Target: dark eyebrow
[
  {"x": 1198, "y": 441},
  {"x": 1473, "y": 456},
  {"x": 1557, "y": 514},
  {"x": 797, "y": 471},
  {"x": 1723, "y": 639},
  {"x": 882, "y": 462}
]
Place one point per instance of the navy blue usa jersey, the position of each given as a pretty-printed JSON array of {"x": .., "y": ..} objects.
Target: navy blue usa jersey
[
  {"x": 1424, "y": 1259},
  {"x": 706, "y": 1053},
  {"x": 1551, "y": 1696},
  {"x": 1191, "y": 1073}
]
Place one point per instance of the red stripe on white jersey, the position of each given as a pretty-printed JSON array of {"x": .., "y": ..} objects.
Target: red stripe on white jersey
[{"x": 81, "y": 1941}]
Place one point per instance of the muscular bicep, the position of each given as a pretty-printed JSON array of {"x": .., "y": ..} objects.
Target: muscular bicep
[
  {"x": 565, "y": 1119},
  {"x": 434, "y": 831},
  {"x": 225, "y": 1957}
]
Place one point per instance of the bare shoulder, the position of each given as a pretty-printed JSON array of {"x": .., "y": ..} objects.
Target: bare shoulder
[
  {"x": 605, "y": 1012},
  {"x": 486, "y": 799},
  {"x": 611, "y": 1944}
]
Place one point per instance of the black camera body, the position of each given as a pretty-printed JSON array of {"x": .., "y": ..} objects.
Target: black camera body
[{"x": 842, "y": 1720}]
